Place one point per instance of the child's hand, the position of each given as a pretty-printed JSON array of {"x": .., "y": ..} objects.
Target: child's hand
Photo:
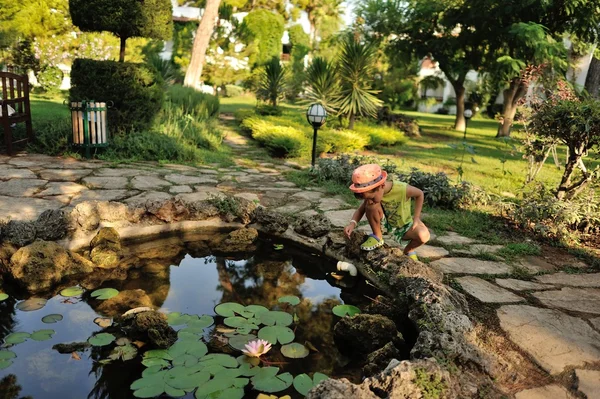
[{"x": 349, "y": 229}]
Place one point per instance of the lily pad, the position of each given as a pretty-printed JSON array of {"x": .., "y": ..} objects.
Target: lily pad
[
  {"x": 52, "y": 318},
  {"x": 153, "y": 362},
  {"x": 195, "y": 348},
  {"x": 239, "y": 341},
  {"x": 267, "y": 380},
  {"x": 3, "y": 296},
  {"x": 42, "y": 335},
  {"x": 16, "y": 338},
  {"x": 5, "y": 363},
  {"x": 275, "y": 334},
  {"x": 158, "y": 354},
  {"x": 345, "y": 310},
  {"x": 201, "y": 322},
  {"x": 124, "y": 352},
  {"x": 294, "y": 351},
  {"x": 256, "y": 309},
  {"x": 303, "y": 383},
  {"x": 220, "y": 359},
  {"x": 31, "y": 304},
  {"x": 105, "y": 293},
  {"x": 185, "y": 361},
  {"x": 101, "y": 339},
  {"x": 6, "y": 354},
  {"x": 177, "y": 319},
  {"x": 275, "y": 317},
  {"x": 229, "y": 309},
  {"x": 291, "y": 299},
  {"x": 72, "y": 291}
]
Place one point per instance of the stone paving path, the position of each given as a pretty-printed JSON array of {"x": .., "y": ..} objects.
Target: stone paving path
[{"x": 554, "y": 317}]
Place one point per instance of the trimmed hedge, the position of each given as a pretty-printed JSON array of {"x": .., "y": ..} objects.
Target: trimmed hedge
[{"x": 135, "y": 89}]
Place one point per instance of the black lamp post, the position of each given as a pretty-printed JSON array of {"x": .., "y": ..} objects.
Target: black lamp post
[
  {"x": 468, "y": 115},
  {"x": 316, "y": 116}
]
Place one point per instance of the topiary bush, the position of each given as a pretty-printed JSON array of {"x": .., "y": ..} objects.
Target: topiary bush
[
  {"x": 135, "y": 90},
  {"x": 50, "y": 78},
  {"x": 192, "y": 102}
]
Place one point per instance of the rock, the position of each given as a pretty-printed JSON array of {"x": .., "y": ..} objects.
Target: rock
[
  {"x": 21, "y": 187},
  {"x": 378, "y": 360},
  {"x": 168, "y": 211},
  {"x": 148, "y": 182},
  {"x": 40, "y": 265},
  {"x": 180, "y": 189},
  {"x": 520, "y": 285},
  {"x": 271, "y": 222},
  {"x": 22, "y": 209},
  {"x": 430, "y": 252},
  {"x": 547, "y": 392},
  {"x": 471, "y": 266},
  {"x": 241, "y": 240},
  {"x": 67, "y": 349},
  {"x": 13, "y": 173},
  {"x": 85, "y": 215},
  {"x": 61, "y": 188},
  {"x": 308, "y": 213},
  {"x": 103, "y": 195},
  {"x": 572, "y": 280},
  {"x": 203, "y": 194},
  {"x": 184, "y": 179},
  {"x": 117, "y": 212},
  {"x": 536, "y": 264},
  {"x": 294, "y": 207},
  {"x": 248, "y": 196},
  {"x": 555, "y": 340},
  {"x": 64, "y": 174},
  {"x": 452, "y": 238},
  {"x": 330, "y": 204},
  {"x": 7, "y": 250},
  {"x": 111, "y": 183},
  {"x": 150, "y": 327},
  {"x": 127, "y": 299},
  {"x": 140, "y": 200},
  {"x": 105, "y": 248},
  {"x": 311, "y": 196},
  {"x": 122, "y": 172},
  {"x": 477, "y": 249},
  {"x": 104, "y": 322},
  {"x": 596, "y": 323},
  {"x": 340, "y": 218},
  {"x": 340, "y": 389},
  {"x": 362, "y": 334},
  {"x": 51, "y": 225},
  {"x": 588, "y": 382},
  {"x": 19, "y": 233},
  {"x": 315, "y": 226},
  {"x": 585, "y": 300},
  {"x": 486, "y": 292}
]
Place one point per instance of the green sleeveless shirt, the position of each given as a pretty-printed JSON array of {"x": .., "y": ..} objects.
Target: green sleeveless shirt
[{"x": 396, "y": 205}]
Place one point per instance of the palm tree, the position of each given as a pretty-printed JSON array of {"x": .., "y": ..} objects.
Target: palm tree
[
  {"x": 323, "y": 85},
  {"x": 319, "y": 13},
  {"x": 273, "y": 82},
  {"x": 356, "y": 65}
]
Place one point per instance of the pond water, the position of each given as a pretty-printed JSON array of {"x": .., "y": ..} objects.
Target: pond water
[{"x": 185, "y": 283}]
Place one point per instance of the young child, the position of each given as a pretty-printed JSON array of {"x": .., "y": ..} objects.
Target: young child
[{"x": 388, "y": 202}]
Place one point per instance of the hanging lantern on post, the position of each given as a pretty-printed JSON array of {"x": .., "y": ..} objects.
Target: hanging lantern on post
[
  {"x": 316, "y": 116},
  {"x": 89, "y": 125}
]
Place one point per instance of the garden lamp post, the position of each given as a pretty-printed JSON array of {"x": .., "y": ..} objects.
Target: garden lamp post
[
  {"x": 468, "y": 115},
  {"x": 316, "y": 116}
]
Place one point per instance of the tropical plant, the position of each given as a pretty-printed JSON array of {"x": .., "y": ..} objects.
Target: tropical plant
[
  {"x": 165, "y": 69},
  {"x": 356, "y": 65},
  {"x": 273, "y": 82},
  {"x": 323, "y": 85}
]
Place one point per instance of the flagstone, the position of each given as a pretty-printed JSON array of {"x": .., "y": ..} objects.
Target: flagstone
[
  {"x": 471, "y": 266},
  {"x": 547, "y": 392},
  {"x": 106, "y": 182},
  {"x": 572, "y": 280},
  {"x": 521, "y": 285},
  {"x": 21, "y": 187},
  {"x": 452, "y": 238},
  {"x": 61, "y": 188},
  {"x": 487, "y": 292},
  {"x": 7, "y": 172},
  {"x": 19, "y": 208},
  {"x": 148, "y": 182},
  {"x": 588, "y": 382},
  {"x": 64, "y": 174},
  {"x": 585, "y": 300}
]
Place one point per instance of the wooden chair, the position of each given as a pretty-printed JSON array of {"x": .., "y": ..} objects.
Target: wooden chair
[{"x": 14, "y": 107}]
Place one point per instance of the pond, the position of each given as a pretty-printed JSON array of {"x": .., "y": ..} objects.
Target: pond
[{"x": 187, "y": 285}]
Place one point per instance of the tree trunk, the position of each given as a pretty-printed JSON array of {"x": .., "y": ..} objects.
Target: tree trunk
[
  {"x": 459, "y": 122},
  {"x": 351, "y": 121},
  {"x": 565, "y": 181},
  {"x": 515, "y": 91},
  {"x": 203, "y": 34},
  {"x": 592, "y": 81},
  {"x": 122, "y": 50}
]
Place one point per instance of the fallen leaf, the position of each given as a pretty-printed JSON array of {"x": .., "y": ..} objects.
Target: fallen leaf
[
  {"x": 225, "y": 330},
  {"x": 139, "y": 344},
  {"x": 75, "y": 356},
  {"x": 103, "y": 321},
  {"x": 310, "y": 346},
  {"x": 336, "y": 276}
]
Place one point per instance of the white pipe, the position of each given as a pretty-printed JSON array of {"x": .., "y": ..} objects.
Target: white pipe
[{"x": 347, "y": 267}]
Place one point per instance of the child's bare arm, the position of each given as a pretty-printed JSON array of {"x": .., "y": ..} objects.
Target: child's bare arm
[
  {"x": 417, "y": 194},
  {"x": 356, "y": 217}
]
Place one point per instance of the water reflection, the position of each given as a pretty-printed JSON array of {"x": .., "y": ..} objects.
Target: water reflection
[
  {"x": 10, "y": 389},
  {"x": 168, "y": 278}
]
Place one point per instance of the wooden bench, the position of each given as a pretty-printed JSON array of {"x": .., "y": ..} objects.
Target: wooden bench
[{"x": 14, "y": 107}]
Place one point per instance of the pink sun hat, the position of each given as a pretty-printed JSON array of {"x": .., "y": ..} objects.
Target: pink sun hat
[{"x": 367, "y": 177}]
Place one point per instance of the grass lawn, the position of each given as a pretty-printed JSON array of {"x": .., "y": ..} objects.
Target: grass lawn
[{"x": 47, "y": 109}]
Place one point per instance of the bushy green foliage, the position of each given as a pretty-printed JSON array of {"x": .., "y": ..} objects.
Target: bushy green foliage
[
  {"x": 322, "y": 84},
  {"x": 125, "y": 18},
  {"x": 282, "y": 141},
  {"x": 432, "y": 386},
  {"x": 241, "y": 114},
  {"x": 262, "y": 31},
  {"x": 197, "y": 104},
  {"x": 440, "y": 192},
  {"x": 50, "y": 78},
  {"x": 339, "y": 170},
  {"x": 541, "y": 212},
  {"x": 273, "y": 82},
  {"x": 380, "y": 135},
  {"x": 165, "y": 68},
  {"x": 135, "y": 90},
  {"x": 234, "y": 91},
  {"x": 339, "y": 141},
  {"x": 51, "y": 137}
]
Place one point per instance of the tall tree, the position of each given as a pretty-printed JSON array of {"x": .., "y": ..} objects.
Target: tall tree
[
  {"x": 203, "y": 35},
  {"x": 592, "y": 80},
  {"x": 124, "y": 18},
  {"x": 323, "y": 15}
]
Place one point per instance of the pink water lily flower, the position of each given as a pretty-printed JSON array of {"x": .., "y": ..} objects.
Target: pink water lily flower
[{"x": 257, "y": 348}]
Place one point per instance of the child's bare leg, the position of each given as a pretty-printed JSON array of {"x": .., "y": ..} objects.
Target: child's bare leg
[
  {"x": 417, "y": 236},
  {"x": 374, "y": 214}
]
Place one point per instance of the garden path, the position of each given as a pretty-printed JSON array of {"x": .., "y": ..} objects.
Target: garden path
[{"x": 551, "y": 315}]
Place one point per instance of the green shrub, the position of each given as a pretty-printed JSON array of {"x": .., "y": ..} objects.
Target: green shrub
[
  {"x": 234, "y": 91},
  {"x": 339, "y": 141},
  {"x": 339, "y": 169},
  {"x": 241, "y": 114},
  {"x": 440, "y": 192},
  {"x": 50, "y": 78},
  {"x": 380, "y": 135},
  {"x": 135, "y": 90},
  {"x": 268, "y": 110},
  {"x": 281, "y": 141},
  {"x": 188, "y": 128},
  {"x": 51, "y": 138},
  {"x": 192, "y": 102}
]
